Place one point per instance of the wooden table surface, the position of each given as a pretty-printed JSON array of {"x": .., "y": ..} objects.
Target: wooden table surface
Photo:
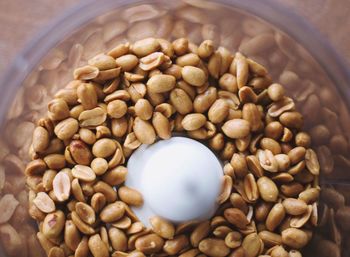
[{"x": 20, "y": 20}]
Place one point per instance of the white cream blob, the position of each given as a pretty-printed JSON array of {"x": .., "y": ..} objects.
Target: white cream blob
[{"x": 179, "y": 178}]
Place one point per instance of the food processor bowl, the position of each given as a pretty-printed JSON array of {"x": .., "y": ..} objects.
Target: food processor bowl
[{"x": 314, "y": 75}]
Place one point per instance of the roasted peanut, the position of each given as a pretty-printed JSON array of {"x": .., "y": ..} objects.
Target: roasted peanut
[
  {"x": 143, "y": 109},
  {"x": 92, "y": 118},
  {"x": 152, "y": 61},
  {"x": 97, "y": 247},
  {"x": 161, "y": 83},
  {"x": 72, "y": 237},
  {"x": 193, "y": 121},
  {"x": 236, "y": 217},
  {"x": 112, "y": 212},
  {"x": 275, "y": 92},
  {"x": 149, "y": 244},
  {"x": 116, "y": 109},
  {"x": 236, "y": 128},
  {"x": 102, "y": 62},
  {"x": 98, "y": 201},
  {"x": 252, "y": 244},
  {"x": 104, "y": 147},
  {"x": 201, "y": 231},
  {"x": 250, "y": 188},
  {"x": 53, "y": 224},
  {"x": 145, "y": 46},
  {"x": 214, "y": 247},
  {"x": 162, "y": 227},
  {"x": 144, "y": 131},
  {"x": 181, "y": 101},
  {"x": 275, "y": 216},
  {"x": 294, "y": 206},
  {"x": 294, "y": 238},
  {"x": 87, "y": 95},
  {"x": 99, "y": 166},
  {"x": 270, "y": 239},
  {"x": 106, "y": 190},
  {"x": 193, "y": 75},
  {"x": 118, "y": 239},
  {"x": 41, "y": 139},
  {"x": 84, "y": 173},
  {"x": 85, "y": 212},
  {"x": 161, "y": 125},
  {"x": 130, "y": 196},
  {"x": 206, "y": 49},
  {"x": 203, "y": 101},
  {"x": 58, "y": 109},
  {"x": 127, "y": 62},
  {"x": 86, "y": 73},
  {"x": 233, "y": 239},
  {"x": 116, "y": 176},
  {"x": 267, "y": 189},
  {"x": 43, "y": 202},
  {"x": 218, "y": 111},
  {"x": 174, "y": 246},
  {"x": 180, "y": 46},
  {"x": 65, "y": 129}
]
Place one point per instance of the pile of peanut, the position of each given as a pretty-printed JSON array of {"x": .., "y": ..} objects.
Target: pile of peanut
[{"x": 138, "y": 93}]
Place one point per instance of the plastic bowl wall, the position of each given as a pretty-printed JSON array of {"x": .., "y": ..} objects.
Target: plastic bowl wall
[{"x": 314, "y": 75}]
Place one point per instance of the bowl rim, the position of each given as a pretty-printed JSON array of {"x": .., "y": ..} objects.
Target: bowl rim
[{"x": 294, "y": 25}]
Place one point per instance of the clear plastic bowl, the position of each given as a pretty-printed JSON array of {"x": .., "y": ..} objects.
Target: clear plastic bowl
[{"x": 297, "y": 57}]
